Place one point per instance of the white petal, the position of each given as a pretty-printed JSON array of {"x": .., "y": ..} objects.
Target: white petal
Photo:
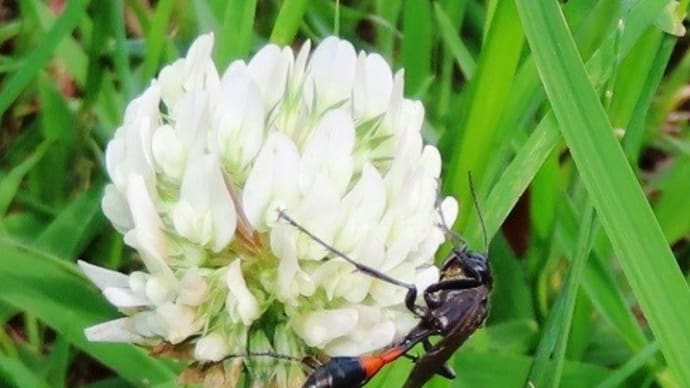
[
  {"x": 193, "y": 288},
  {"x": 124, "y": 297},
  {"x": 195, "y": 72},
  {"x": 373, "y": 86},
  {"x": 168, "y": 152},
  {"x": 115, "y": 207},
  {"x": 364, "y": 206},
  {"x": 198, "y": 64},
  {"x": 148, "y": 324},
  {"x": 147, "y": 234},
  {"x": 178, "y": 322},
  {"x": 319, "y": 213},
  {"x": 213, "y": 347},
  {"x": 283, "y": 245},
  {"x": 191, "y": 121},
  {"x": 298, "y": 70},
  {"x": 370, "y": 251},
  {"x": 247, "y": 305},
  {"x": 321, "y": 326},
  {"x": 137, "y": 282},
  {"x": 372, "y": 332},
  {"x": 449, "y": 209},
  {"x": 144, "y": 106},
  {"x": 269, "y": 69},
  {"x": 329, "y": 274},
  {"x": 332, "y": 68},
  {"x": 117, "y": 330},
  {"x": 205, "y": 212},
  {"x": 239, "y": 121},
  {"x": 327, "y": 152},
  {"x": 425, "y": 277},
  {"x": 386, "y": 294},
  {"x": 431, "y": 161},
  {"x": 273, "y": 178},
  {"x": 158, "y": 290},
  {"x": 103, "y": 277}
]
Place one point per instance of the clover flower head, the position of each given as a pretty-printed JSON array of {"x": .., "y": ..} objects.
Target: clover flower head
[{"x": 205, "y": 161}]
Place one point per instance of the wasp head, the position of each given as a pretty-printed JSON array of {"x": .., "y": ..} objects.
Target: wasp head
[{"x": 463, "y": 263}]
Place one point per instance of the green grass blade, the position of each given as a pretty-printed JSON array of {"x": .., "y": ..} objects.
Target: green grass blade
[
  {"x": 416, "y": 45},
  {"x": 16, "y": 374},
  {"x": 74, "y": 227},
  {"x": 42, "y": 54},
  {"x": 578, "y": 265},
  {"x": 624, "y": 212},
  {"x": 121, "y": 60},
  {"x": 635, "y": 130},
  {"x": 600, "y": 284},
  {"x": 489, "y": 91},
  {"x": 237, "y": 32},
  {"x": 156, "y": 38},
  {"x": 11, "y": 182},
  {"x": 673, "y": 207},
  {"x": 617, "y": 378},
  {"x": 460, "y": 52},
  {"x": 288, "y": 21},
  {"x": 55, "y": 292}
]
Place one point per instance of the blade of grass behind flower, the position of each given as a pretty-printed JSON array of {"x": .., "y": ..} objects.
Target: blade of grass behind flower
[
  {"x": 77, "y": 224},
  {"x": 95, "y": 50},
  {"x": 47, "y": 179},
  {"x": 520, "y": 172},
  {"x": 449, "y": 34},
  {"x": 16, "y": 374},
  {"x": 497, "y": 370},
  {"x": 638, "y": 123},
  {"x": 237, "y": 31},
  {"x": 39, "y": 57},
  {"x": 120, "y": 58},
  {"x": 389, "y": 10},
  {"x": 673, "y": 207},
  {"x": 156, "y": 38},
  {"x": 488, "y": 93},
  {"x": 577, "y": 269},
  {"x": 599, "y": 282},
  {"x": 624, "y": 212},
  {"x": 53, "y": 290},
  {"x": 416, "y": 45},
  {"x": 617, "y": 378},
  {"x": 57, "y": 363},
  {"x": 68, "y": 50},
  {"x": 288, "y": 21},
  {"x": 11, "y": 182}
]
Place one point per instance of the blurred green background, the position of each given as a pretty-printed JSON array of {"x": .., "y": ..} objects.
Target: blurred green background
[{"x": 572, "y": 117}]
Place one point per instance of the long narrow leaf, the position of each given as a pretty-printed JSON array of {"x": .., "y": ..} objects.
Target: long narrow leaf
[
  {"x": 625, "y": 214},
  {"x": 39, "y": 57},
  {"x": 53, "y": 290}
]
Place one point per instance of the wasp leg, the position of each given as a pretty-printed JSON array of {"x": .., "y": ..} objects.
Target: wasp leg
[
  {"x": 445, "y": 370},
  {"x": 456, "y": 284},
  {"x": 410, "y": 299},
  {"x": 432, "y": 300}
]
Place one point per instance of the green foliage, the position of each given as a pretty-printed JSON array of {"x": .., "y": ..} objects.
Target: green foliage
[{"x": 527, "y": 95}]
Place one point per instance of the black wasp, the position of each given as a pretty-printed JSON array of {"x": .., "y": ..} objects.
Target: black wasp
[{"x": 455, "y": 307}]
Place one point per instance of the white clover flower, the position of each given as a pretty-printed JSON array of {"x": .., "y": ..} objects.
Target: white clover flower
[{"x": 203, "y": 163}]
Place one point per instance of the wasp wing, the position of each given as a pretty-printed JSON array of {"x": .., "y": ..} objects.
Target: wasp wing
[{"x": 464, "y": 310}]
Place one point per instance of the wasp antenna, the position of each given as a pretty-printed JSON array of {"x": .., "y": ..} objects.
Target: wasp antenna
[
  {"x": 277, "y": 356},
  {"x": 360, "y": 267},
  {"x": 457, "y": 240},
  {"x": 475, "y": 201}
]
